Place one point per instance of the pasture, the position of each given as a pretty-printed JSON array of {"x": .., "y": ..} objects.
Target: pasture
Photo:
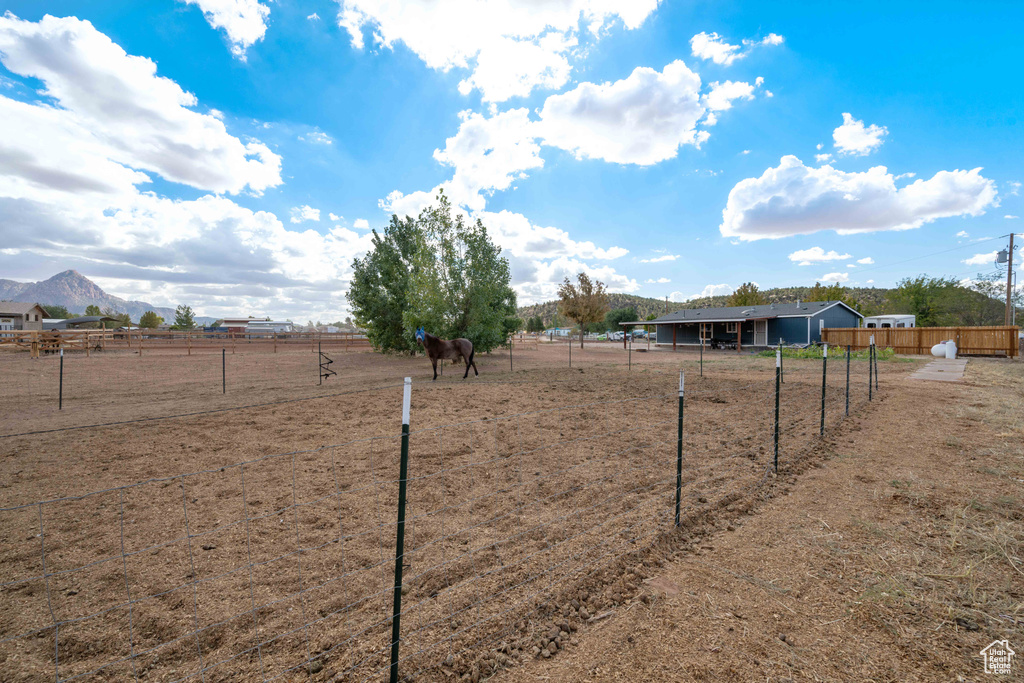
[{"x": 158, "y": 527}]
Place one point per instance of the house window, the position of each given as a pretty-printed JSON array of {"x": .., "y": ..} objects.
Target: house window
[
  {"x": 870, "y": 325},
  {"x": 730, "y": 328},
  {"x": 705, "y": 331}
]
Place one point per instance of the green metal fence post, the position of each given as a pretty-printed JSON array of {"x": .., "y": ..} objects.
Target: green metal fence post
[
  {"x": 60, "y": 394},
  {"x": 871, "y": 345},
  {"x": 403, "y": 476},
  {"x": 824, "y": 374},
  {"x": 847, "y": 380},
  {"x": 679, "y": 451},
  {"x": 778, "y": 383}
]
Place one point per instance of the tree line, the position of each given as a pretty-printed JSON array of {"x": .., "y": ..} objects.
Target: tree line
[
  {"x": 184, "y": 318},
  {"x": 436, "y": 271}
]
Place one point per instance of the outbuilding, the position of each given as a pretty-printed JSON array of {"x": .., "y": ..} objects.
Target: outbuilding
[
  {"x": 20, "y": 315},
  {"x": 898, "y": 320},
  {"x": 760, "y": 326}
]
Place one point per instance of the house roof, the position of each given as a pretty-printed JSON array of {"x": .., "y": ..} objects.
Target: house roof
[
  {"x": 18, "y": 307},
  {"x": 804, "y": 309}
]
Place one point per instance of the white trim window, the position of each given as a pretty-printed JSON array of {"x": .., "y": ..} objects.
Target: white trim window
[
  {"x": 706, "y": 331},
  {"x": 730, "y": 328}
]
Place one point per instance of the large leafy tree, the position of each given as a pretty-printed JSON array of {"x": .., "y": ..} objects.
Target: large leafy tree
[
  {"x": 379, "y": 293},
  {"x": 943, "y": 302},
  {"x": 150, "y": 320},
  {"x": 747, "y": 294},
  {"x": 459, "y": 281},
  {"x": 55, "y": 311},
  {"x": 620, "y": 315},
  {"x": 184, "y": 318},
  {"x": 583, "y": 302}
]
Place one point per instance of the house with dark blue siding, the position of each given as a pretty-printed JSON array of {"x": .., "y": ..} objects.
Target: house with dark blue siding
[{"x": 753, "y": 326}]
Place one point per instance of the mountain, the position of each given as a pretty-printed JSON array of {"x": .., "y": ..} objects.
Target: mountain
[{"x": 74, "y": 291}]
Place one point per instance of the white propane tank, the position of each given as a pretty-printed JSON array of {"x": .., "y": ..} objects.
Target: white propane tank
[
  {"x": 951, "y": 350},
  {"x": 939, "y": 350}
]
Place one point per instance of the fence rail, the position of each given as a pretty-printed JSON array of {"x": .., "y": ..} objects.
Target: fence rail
[
  {"x": 981, "y": 341},
  {"x": 53, "y": 341}
]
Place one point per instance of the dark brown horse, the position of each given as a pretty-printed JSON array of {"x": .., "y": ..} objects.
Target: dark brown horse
[{"x": 446, "y": 350}]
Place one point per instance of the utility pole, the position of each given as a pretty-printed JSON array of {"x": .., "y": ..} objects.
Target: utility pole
[{"x": 1009, "y": 284}]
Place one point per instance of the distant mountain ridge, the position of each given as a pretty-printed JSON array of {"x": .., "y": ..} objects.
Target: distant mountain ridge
[{"x": 75, "y": 292}]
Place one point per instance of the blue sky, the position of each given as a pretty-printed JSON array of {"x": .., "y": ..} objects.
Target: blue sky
[{"x": 233, "y": 154}]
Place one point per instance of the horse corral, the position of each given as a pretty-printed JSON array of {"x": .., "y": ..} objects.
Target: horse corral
[{"x": 258, "y": 542}]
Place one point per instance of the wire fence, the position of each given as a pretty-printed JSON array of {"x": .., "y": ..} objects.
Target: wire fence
[{"x": 518, "y": 530}]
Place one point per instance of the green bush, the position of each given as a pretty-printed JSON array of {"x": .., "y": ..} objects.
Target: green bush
[{"x": 814, "y": 351}]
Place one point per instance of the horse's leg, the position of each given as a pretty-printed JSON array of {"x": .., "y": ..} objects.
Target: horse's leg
[
  {"x": 433, "y": 361},
  {"x": 467, "y": 367}
]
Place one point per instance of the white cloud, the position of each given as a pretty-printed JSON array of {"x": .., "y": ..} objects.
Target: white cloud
[
  {"x": 746, "y": 151},
  {"x": 114, "y": 118},
  {"x": 963, "y": 234},
  {"x": 721, "y": 95},
  {"x": 712, "y": 46},
  {"x": 361, "y": 224},
  {"x": 1010, "y": 216},
  {"x": 660, "y": 259},
  {"x": 709, "y": 290},
  {"x": 244, "y": 21},
  {"x": 489, "y": 154},
  {"x": 819, "y": 146},
  {"x": 871, "y": 282},
  {"x": 794, "y": 199},
  {"x": 866, "y": 261},
  {"x": 835, "y": 277},
  {"x": 659, "y": 281},
  {"x": 334, "y": 217},
  {"x": 807, "y": 257},
  {"x": 1014, "y": 188},
  {"x": 851, "y": 265},
  {"x": 313, "y": 17},
  {"x": 853, "y": 138},
  {"x": 317, "y": 137},
  {"x": 823, "y": 158},
  {"x": 305, "y": 213},
  {"x": 981, "y": 259},
  {"x": 510, "y": 47},
  {"x": 71, "y": 167},
  {"x": 642, "y": 119}
]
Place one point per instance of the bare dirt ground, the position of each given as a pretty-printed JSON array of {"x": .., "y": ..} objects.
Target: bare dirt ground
[
  {"x": 898, "y": 555},
  {"x": 260, "y": 543}
]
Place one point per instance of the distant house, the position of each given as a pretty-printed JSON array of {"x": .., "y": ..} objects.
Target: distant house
[
  {"x": 269, "y": 326},
  {"x": 901, "y": 320},
  {"x": 798, "y": 323},
  {"x": 557, "y": 332},
  {"x": 19, "y": 315},
  {"x": 236, "y": 324}
]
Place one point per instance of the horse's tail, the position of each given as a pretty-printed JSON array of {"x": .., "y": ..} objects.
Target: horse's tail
[{"x": 472, "y": 350}]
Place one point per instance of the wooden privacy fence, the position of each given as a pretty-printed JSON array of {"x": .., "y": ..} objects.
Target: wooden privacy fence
[
  {"x": 979, "y": 341},
  {"x": 52, "y": 341}
]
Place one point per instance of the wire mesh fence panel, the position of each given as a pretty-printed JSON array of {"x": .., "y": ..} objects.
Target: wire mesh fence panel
[{"x": 519, "y": 527}]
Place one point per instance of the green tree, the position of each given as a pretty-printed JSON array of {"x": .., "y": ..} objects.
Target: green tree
[
  {"x": 93, "y": 309},
  {"x": 747, "y": 294},
  {"x": 619, "y": 315},
  {"x": 584, "y": 302},
  {"x": 184, "y": 318},
  {"x": 459, "y": 281},
  {"x": 834, "y": 292},
  {"x": 55, "y": 311},
  {"x": 150, "y": 320},
  {"x": 943, "y": 302},
  {"x": 535, "y": 324},
  {"x": 381, "y": 280}
]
